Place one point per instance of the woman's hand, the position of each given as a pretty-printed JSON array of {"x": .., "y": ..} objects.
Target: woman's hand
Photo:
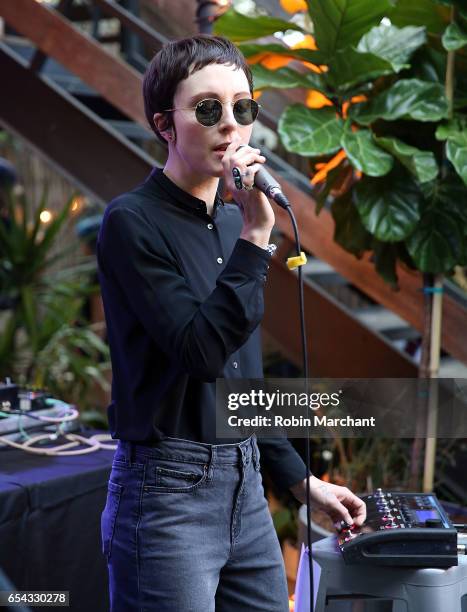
[
  {"x": 257, "y": 212},
  {"x": 338, "y": 502}
]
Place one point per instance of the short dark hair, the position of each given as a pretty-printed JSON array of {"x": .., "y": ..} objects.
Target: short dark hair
[{"x": 176, "y": 61}]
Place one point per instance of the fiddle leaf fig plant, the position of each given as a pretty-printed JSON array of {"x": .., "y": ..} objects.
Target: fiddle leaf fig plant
[{"x": 385, "y": 116}]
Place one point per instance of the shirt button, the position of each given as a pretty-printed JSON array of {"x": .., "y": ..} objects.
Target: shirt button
[
  {"x": 210, "y": 226},
  {"x": 219, "y": 260},
  {"x": 235, "y": 364}
]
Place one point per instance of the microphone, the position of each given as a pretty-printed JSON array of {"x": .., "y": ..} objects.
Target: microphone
[{"x": 269, "y": 186}]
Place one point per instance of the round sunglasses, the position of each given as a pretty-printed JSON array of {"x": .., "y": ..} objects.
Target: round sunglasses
[{"x": 208, "y": 112}]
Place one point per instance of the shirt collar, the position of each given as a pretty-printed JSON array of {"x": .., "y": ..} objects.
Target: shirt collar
[{"x": 181, "y": 197}]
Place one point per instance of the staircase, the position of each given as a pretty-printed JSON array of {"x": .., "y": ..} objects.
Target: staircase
[{"x": 78, "y": 100}]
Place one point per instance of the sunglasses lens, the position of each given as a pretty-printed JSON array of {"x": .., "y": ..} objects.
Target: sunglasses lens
[
  {"x": 208, "y": 112},
  {"x": 245, "y": 111}
]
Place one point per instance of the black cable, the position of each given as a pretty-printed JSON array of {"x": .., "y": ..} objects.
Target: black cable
[{"x": 305, "y": 374}]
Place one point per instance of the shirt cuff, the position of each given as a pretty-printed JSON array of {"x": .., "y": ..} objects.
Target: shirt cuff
[
  {"x": 250, "y": 259},
  {"x": 281, "y": 460}
]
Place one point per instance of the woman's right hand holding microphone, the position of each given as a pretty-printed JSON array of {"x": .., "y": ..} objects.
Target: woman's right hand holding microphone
[{"x": 257, "y": 212}]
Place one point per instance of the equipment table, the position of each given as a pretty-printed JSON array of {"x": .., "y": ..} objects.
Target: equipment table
[{"x": 50, "y": 511}]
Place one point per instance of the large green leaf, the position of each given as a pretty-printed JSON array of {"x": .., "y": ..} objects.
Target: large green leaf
[
  {"x": 420, "y": 163},
  {"x": 349, "y": 230},
  {"x": 385, "y": 259},
  {"x": 421, "y": 13},
  {"x": 395, "y": 45},
  {"x": 454, "y": 38},
  {"x": 453, "y": 129},
  {"x": 439, "y": 241},
  {"x": 341, "y": 23},
  {"x": 456, "y": 152},
  {"x": 304, "y": 55},
  {"x": 406, "y": 99},
  {"x": 286, "y": 78},
  {"x": 350, "y": 67},
  {"x": 239, "y": 27},
  {"x": 455, "y": 132},
  {"x": 364, "y": 154},
  {"x": 389, "y": 207},
  {"x": 437, "y": 244},
  {"x": 310, "y": 132}
]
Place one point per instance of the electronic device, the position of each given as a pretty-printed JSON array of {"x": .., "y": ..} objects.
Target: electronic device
[
  {"x": 8, "y": 395},
  {"x": 12, "y": 397},
  {"x": 25, "y": 411},
  {"x": 401, "y": 529}
]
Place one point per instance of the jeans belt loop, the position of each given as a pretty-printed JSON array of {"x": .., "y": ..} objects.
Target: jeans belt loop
[
  {"x": 254, "y": 449},
  {"x": 129, "y": 452},
  {"x": 125, "y": 448},
  {"x": 212, "y": 460}
]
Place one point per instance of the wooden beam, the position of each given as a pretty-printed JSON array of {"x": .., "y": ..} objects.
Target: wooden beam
[
  {"x": 112, "y": 78},
  {"x": 73, "y": 139}
]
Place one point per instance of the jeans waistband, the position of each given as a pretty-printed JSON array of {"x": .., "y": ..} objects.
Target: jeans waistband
[{"x": 189, "y": 450}]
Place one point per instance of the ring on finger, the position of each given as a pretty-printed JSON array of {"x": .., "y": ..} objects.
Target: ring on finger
[{"x": 237, "y": 177}]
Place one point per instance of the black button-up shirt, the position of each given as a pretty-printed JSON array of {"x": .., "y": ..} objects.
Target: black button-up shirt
[{"x": 183, "y": 299}]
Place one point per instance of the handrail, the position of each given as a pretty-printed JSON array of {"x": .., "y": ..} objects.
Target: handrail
[
  {"x": 55, "y": 36},
  {"x": 136, "y": 25}
]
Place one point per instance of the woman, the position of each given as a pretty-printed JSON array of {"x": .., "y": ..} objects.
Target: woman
[{"x": 186, "y": 526}]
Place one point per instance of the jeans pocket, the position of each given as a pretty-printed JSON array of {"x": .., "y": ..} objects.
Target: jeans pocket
[
  {"x": 177, "y": 477},
  {"x": 109, "y": 516}
]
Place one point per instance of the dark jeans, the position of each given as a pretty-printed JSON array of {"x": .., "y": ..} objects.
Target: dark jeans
[{"x": 186, "y": 528}]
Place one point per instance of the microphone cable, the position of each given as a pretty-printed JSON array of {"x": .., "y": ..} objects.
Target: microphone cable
[{"x": 284, "y": 203}]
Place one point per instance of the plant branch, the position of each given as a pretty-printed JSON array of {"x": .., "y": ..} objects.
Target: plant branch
[{"x": 449, "y": 81}]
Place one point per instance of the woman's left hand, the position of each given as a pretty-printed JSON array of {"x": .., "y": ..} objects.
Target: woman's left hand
[{"x": 338, "y": 502}]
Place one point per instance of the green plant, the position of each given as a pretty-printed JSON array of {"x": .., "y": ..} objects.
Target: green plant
[
  {"x": 385, "y": 125},
  {"x": 46, "y": 340}
]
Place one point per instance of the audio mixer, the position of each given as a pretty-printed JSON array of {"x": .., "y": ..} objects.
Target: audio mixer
[{"x": 401, "y": 529}]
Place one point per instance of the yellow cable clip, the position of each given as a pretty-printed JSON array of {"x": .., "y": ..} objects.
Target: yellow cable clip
[{"x": 295, "y": 262}]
